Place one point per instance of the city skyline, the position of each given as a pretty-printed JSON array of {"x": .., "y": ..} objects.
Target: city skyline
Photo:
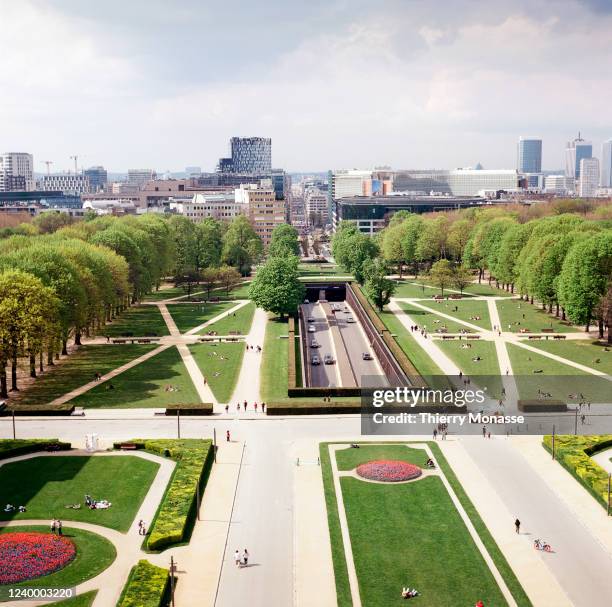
[{"x": 333, "y": 84}]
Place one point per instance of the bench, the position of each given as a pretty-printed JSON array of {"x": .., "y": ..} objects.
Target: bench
[
  {"x": 548, "y": 330},
  {"x": 119, "y": 341},
  {"x": 472, "y": 336},
  {"x": 559, "y": 336},
  {"x": 448, "y": 337},
  {"x": 234, "y": 333},
  {"x": 128, "y": 447},
  {"x": 456, "y": 296},
  {"x": 535, "y": 337},
  {"x": 143, "y": 341}
]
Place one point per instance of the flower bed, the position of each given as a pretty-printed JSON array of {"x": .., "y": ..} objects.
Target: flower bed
[
  {"x": 28, "y": 555},
  {"x": 388, "y": 471}
]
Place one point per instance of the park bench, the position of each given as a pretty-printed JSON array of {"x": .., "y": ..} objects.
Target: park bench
[
  {"x": 143, "y": 341},
  {"x": 524, "y": 331},
  {"x": 472, "y": 336},
  {"x": 128, "y": 447},
  {"x": 448, "y": 337},
  {"x": 119, "y": 341},
  {"x": 559, "y": 336},
  {"x": 438, "y": 297},
  {"x": 535, "y": 337},
  {"x": 456, "y": 296},
  {"x": 234, "y": 333},
  {"x": 548, "y": 330}
]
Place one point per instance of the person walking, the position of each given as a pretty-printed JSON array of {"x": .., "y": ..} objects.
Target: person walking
[
  {"x": 140, "y": 524},
  {"x": 237, "y": 558},
  {"x": 59, "y": 527},
  {"x": 53, "y": 526},
  {"x": 435, "y": 433},
  {"x": 255, "y": 407},
  {"x": 226, "y": 409},
  {"x": 263, "y": 407},
  {"x": 517, "y": 525},
  {"x": 484, "y": 432},
  {"x": 245, "y": 558},
  {"x": 227, "y": 436}
]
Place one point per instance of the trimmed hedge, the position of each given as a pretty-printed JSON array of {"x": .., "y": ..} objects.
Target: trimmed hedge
[
  {"x": 13, "y": 448},
  {"x": 147, "y": 586},
  {"x": 291, "y": 364},
  {"x": 190, "y": 409},
  {"x": 38, "y": 410},
  {"x": 177, "y": 511},
  {"x": 539, "y": 406},
  {"x": 367, "y": 307},
  {"x": 573, "y": 453}
]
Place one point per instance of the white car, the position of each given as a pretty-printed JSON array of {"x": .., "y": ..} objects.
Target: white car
[
  {"x": 315, "y": 360},
  {"x": 311, "y": 329},
  {"x": 350, "y": 319}
]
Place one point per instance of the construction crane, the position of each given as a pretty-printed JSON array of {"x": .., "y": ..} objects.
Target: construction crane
[
  {"x": 48, "y": 163},
  {"x": 75, "y": 158}
]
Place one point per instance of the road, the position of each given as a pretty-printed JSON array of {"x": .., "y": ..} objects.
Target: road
[{"x": 321, "y": 375}]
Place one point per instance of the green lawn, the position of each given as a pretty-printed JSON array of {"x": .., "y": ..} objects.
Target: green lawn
[
  {"x": 167, "y": 293},
  {"x": 418, "y": 289},
  {"x": 419, "y": 358},
  {"x": 139, "y": 321},
  {"x": 220, "y": 364},
  {"x": 484, "y": 289},
  {"x": 82, "y": 600},
  {"x": 94, "y": 555},
  {"x": 144, "y": 385},
  {"x": 523, "y": 315},
  {"x": 558, "y": 379},
  {"x": 240, "y": 320},
  {"x": 393, "y": 544},
  {"x": 348, "y": 459},
  {"x": 432, "y": 321},
  {"x": 585, "y": 352},
  {"x": 46, "y": 484},
  {"x": 274, "y": 382},
  {"x": 467, "y": 310},
  {"x": 321, "y": 269},
  {"x": 485, "y": 371},
  {"x": 78, "y": 369},
  {"x": 189, "y": 316}
]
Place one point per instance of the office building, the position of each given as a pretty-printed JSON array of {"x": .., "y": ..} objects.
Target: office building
[
  {"x": 139, "y": 177},
  {"x": 316, "y": 207},
  {"x": 529, "y": 155},
  {"x": 606, "y": 164},
  {"x": 575, "y": 151},
  {"x": 558, "y": 184},
  {"x": 98, "y": 178},
  {"x": 68, "y": 183},
  {"x": 588, "y": 183},
  {"x": 221, "y": 206},
  {"x": 16, "y": 172},
  {"x": 249, "y": 156},
  {"x": 265, "y": 212}
]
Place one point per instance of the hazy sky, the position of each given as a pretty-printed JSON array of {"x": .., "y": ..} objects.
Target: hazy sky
[{"x": 335, "y": 83}]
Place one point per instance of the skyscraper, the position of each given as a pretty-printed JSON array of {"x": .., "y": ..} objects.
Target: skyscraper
[
  {"x": 16, "y": 172},
  {"x": 529, "y": 155},
  {"x": 575, "y": 151},
  {"x": 97, "y": 178},
  {"x": 249, "y": 156},
  {"x": 606, "y": 164},
  {"x": 589, "y": 177}
]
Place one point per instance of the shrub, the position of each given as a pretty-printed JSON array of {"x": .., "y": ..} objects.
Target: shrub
[
  {"x": 573, "y": 453},
  {"x": 13, "y": 448},
  {"x": 147, "y": 586},
  {"x": 177, "y": 509},
  {"x": 190, "y": 409}
]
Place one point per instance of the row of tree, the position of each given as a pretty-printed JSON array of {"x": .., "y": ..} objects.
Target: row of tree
[
  {"x": 563, "y": 260},
  {"x": 60, "y": 279}
]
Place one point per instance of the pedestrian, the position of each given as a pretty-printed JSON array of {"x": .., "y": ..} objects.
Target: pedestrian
[
  {"x": 238, "y": 407},
  {"x": 108, "y": 339},
  {"x": 59, "y": 527},
  {"x": 488, "y": 434},
  {"x": 245, "y": 558},
  {"x": 227, "y": 436},
  {"x": 255, "y": 407},
  {"x": 484, "y": 432},
  {"x": 237, "y": 558},
  {"x": 53, "y": 526},
  {"x": 517, "y": 525},
  {"x": 140, "y": 524},
  {"x": 435, "y": 433},
  {"x": 263, "y": 407},
  {"x": 245, "y": 406},
  {"x": 205, "y": 382},
  {"x": 226, "y": 409}
]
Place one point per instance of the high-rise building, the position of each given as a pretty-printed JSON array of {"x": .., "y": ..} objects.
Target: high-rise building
[
  {"x": 140, "y": 176},
  {"x": 16, "y": 172},
  {"x": 606, "y": 164},
  {"x": 575, "y": 151},
  {"x": 558, "y": 184},
  {"x": 316, "y": 208},
  {"x": 97, "y": 178},
  {"x": 529, "y": 155},
  {"x": 249, "y": 156},
  {"x": 264, "y": 210},
  {"x": 589, "y": 177}
]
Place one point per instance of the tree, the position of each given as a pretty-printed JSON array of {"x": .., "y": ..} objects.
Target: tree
[
  {"x": 431, "y": 244},
  {"x": 209, "y": 277},
  {"x": 229, "y": 278},
  {"x": 352, "y": 248},
  {"x": 242, "y": 247},
  {"x": 462, "y": 277},
  {"x": 276, "y": 287},
  {"x": 441, "y": 274},
  {"x": 50, "y": 221},
  {"x": 284, "y": 241},
  {"x": 458, "y": 235},
  {"x": 209, "y": 243},
  {"x": 378, "y": 287}
]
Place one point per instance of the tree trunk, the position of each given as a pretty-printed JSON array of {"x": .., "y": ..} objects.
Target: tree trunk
[
  {"x": 601, "y": 328},
  {"x": 512, "y": 288},
  {"x": 77, "y": 338},
  {"x": 531, "y": 300},
  {"x": 41, "y": 368},
  {"x": 563, "y": 313},
  {"x": 3, "y": 383},
  {"x": 14, "y": 387},
  {"x": 557, "y": 309},
  {"x": 550, "y": 306},
  {"x": 32, "y": 364}
]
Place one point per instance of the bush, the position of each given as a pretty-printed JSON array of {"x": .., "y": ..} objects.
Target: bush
[
  {"x": 573, "y": 453},
  {"x": 176, "y": 513},
  {"x": 190, "y": 409},
  {"x": 38, "y": 410},
  {"x": 13, "y": 448},
  {"x": 147, "y": 586},
  {"x": 291, "y": 365}
]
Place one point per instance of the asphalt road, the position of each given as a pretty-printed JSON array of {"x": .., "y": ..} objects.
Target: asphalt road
[{"x": 321, "y": 375}]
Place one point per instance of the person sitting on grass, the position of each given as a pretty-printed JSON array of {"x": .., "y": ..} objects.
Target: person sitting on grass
[
  {"x": 9, "y": 508},
  {"x": 430, "y": 463},
  {"x": 409, "y": 593}
]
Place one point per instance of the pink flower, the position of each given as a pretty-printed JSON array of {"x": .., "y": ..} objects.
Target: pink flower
[{"x": 388, "y": 471}]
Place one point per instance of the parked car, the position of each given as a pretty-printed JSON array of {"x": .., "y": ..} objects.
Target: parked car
[
  {"x": 328, "y": 359},
  {"x": 350, "y": 319},
  {"x": 306, "y": 301},
  {"x": 311, "y": 319},
  {"x": 315, "y": 360},
  {"x": 366, "y": 356},
  {"x": 311, "y": 329},
  {"x": 315, "y": 344}
]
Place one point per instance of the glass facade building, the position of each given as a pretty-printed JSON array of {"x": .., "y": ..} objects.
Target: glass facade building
[
  {"x": 97, "y": 178},
  {"x": 529, "y": 155},
  {"x": 249, "y": 156},
  {"x": 576, "y": 150}
]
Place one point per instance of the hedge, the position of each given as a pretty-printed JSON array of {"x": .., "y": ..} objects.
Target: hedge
[
  {"x": 291, "y": 364},
  {"x": 13, "y": 448},
  {"x": 147, "y": 586},
  {"x": 573, "y": 453},
  {"x": 38, "y": 410},
  {"x": 177, "y": 511},
  {"x": 190, "y": 409}
]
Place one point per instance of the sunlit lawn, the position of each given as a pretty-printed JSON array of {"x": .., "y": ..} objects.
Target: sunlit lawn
[
  {"x": 220, "y": 364},
  {"x": 515, "y": 315},
  {"x": 189, "y": 315}
]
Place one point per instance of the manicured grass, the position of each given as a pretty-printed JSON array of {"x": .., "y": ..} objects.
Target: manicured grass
[
  {"x": 467, "y": 310},
  {"x": 94, "y": 555},
  {"x": 485, "y": 371},
  {"x": 484, "y": 289},
  {"x": 144, "y": 385},
  {"x": 46, "y": 484},
  {"x": 139, "y": 321},
  {"x": 188, "y": 316},
  {"x": 432, "y": 321},
  {"x": 348, "y": 459},
  {"x": 420, "y": 359},
  {"x": 223, "y": 359},
  {"x": 165, "y": 293},
  {"x": 321, "y": 269},
  {"x": 515, "y": 315},
  {"x": 240, "y": 320},
  {"x": 82, "y": 600},
  {"x": 274, "y": 366},
  {"x": 391, "y": 532},
  {"x": 558, "y": 379},
  {"x": 583, "y": 351},
  {"x": 78, "y": 369},
  {"x": 419, "y": 289}
]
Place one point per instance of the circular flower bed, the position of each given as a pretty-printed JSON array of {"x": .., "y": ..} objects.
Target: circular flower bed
[
  {"x": 388, "y": 471},
  {"x": 27, "y": 555}
]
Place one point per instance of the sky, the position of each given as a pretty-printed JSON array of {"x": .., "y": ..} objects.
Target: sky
[{"x": 334, "y": 83}]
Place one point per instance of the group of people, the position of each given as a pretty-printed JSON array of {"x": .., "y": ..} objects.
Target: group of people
[
  {"x": 255, "y": 348},
  {"x": 241, "y": 558},
  {"x": 245, "y": 404},
  {"x": 93, "y": 504},
  {"x": 11, "y": 508},
  {"x": 56, "y": 527},
  {"x": 142, "y": 529},
  {"x": 409, "y": 593}
]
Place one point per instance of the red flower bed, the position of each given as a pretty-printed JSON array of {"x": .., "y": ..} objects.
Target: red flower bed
[
  {"x": 388, "y": 471},
  {"x": 28, "y": 555}
]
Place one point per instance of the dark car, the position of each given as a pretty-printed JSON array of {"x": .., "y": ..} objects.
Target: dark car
[
  {"x": 366, "y": 356},
  {"x": 328, "y": 359}
]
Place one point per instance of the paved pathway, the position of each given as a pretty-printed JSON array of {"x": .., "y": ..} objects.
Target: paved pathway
[{"x": 214, "y": 319}]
